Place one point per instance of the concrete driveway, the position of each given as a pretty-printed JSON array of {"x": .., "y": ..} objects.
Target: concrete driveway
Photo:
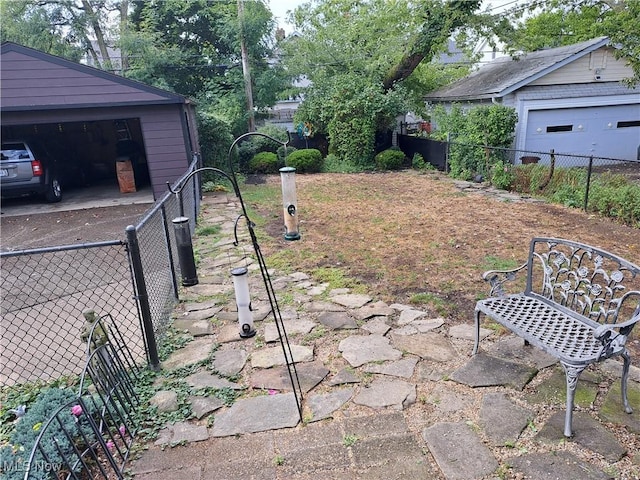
[{"x": 77, "y": 199}]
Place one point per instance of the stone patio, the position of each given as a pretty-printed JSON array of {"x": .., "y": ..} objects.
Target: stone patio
[{"x": 387, "y": 393}]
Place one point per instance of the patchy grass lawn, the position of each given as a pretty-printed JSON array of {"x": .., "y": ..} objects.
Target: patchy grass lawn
[{"x": 411, "y": 237}]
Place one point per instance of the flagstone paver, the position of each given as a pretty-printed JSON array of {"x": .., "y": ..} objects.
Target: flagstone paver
[
  {"x": 400, "y": 368},
  {"x": 195, "y": 351},
  {"x": 182, "y": 432},
  {"x": 351, "y": 300},
  {"x": 377, "y": 326},
  {"x": 207, "y": 380},
  {"x": 310, "y": 374},
  {"x": 257, "y": 414},
  {"x": 229, "y": 361},
  {"x": 387, "y": 393},
  {"x": 459, "y": 452},
  {"x": 552, "y": 465},
  {"x": 361, "y": 349},
  {"x": 291, "y": 327},
  {"x": 430, "y": 345},
  {"x": 273, "y": 356},
  {"x": 337, "y": 320},
  {"x": 344, "y": 376},
  {"x": 324, "y": 404},
  {"x": 587, "y": 432},
  {"x": 485, "y": 371},
  {"x": 502, "y": 420}
]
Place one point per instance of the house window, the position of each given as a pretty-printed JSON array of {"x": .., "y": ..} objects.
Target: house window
[
  {"x": 559, "y": 128},
  {"x": 629, "y": 123}
]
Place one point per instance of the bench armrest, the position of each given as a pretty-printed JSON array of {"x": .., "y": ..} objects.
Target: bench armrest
[
  {"x": 497, "y": 278},
  {"x": 614, "y": 336}
]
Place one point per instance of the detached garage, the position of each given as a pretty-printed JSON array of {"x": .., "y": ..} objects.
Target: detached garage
[
  {"x": 570, "y": 99},
  {"x": 93, "y": 121}
]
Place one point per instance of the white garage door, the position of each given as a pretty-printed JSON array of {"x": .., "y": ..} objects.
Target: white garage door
[{"x": 608, "y": 131}]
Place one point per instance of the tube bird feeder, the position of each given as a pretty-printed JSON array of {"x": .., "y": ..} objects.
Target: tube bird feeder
[{"x": 288, "y": 178}]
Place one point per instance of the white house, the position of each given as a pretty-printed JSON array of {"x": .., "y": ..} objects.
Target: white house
[{"x": 570, "y": 99}]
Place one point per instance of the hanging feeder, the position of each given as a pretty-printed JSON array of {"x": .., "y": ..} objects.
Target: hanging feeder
[
  {"x": 243, "y": 301},
  {"x": 288, "y": 178}
]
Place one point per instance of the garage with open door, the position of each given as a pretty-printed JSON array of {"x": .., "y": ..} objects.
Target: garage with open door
[{"x": 101, "y": 128}]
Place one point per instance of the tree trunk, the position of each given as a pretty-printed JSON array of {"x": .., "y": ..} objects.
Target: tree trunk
[
  {"x": 441, "y": 21},
  {"x": 97, "y": 30},
  {"x": 124, "y": 27},
  {"x": 246, "y": 70}
]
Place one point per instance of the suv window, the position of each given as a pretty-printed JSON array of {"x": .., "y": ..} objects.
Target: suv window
[{"x": 14, "y": 151}]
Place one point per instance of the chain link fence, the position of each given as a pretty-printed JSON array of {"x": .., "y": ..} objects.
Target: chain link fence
[
  {"x": 154, "y": 256},
  {"x": 44, "y": 292}
]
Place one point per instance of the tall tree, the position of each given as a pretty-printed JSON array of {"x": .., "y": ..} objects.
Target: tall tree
[
  {"x": 358, "y": 55},
  {"x": 555, "y": 23},
  {"x": 64, "y": 27},
  {"x": 27, "y": 23},
  {"x": 206, "y": 36}
]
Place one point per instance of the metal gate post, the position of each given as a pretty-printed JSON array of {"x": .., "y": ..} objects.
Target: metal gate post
[
  {"x": 143, "y": 298},
  {"x": 586, "y": 191}
]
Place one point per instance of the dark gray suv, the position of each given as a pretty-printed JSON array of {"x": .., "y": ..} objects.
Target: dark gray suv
[{"x": 26, "y": 169}]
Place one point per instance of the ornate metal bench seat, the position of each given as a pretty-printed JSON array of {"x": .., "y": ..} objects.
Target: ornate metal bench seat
[{"x": 579, "y": 305}]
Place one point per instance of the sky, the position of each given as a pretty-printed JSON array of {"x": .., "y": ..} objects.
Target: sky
[{"x": 279, "y": 9}]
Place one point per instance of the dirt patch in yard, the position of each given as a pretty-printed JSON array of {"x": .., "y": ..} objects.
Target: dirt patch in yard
[{"x": 406, "y": 233}]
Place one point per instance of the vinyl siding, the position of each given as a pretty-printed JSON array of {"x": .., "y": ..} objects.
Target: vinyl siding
[{"x": 583, "y": 70}]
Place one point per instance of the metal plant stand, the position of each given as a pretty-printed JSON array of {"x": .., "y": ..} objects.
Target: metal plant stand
[{"x": 273, "y": 302}]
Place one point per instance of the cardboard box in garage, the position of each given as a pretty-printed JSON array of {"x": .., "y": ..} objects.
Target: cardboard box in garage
[{"x": 126, "y": 180}]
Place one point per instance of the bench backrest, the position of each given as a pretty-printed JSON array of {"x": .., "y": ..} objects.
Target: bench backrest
[{"x": 593, "y": 282}]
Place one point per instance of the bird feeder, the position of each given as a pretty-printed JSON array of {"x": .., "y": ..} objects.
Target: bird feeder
[
  {"x": 288, "y": 178},
  {"x": 185, "y": 251},
  {"x": 243, "y": 301}
]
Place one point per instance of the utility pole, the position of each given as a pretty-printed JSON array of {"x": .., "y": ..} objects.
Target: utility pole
[{"x": 246, "y": 71}]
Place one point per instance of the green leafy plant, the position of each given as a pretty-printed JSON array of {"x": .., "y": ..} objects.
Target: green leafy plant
[
  {"x": 477, "y": 135},
  {"x": 419, "y": 163},
  {"x": 263, "y": 162},
  {"x": 55, "y": 443},
  {"x": 307, "y": 160},
  {"x": 501, "y": 175},
  {"x": 349, "y": 440},
  {"x": 390, "y": 159},
  {"x": 282, "y": 157}
]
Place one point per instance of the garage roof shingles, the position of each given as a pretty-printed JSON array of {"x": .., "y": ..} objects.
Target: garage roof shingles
[
  {"x": 504, "y": 75},
  {"x": 36, "y": 80}
]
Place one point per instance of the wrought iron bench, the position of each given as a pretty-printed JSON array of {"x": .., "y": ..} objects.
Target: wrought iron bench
[{"x": 579, "y": 304}]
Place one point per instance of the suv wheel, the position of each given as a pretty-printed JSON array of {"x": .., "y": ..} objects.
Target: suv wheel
[{"x": 54, "y": 191}]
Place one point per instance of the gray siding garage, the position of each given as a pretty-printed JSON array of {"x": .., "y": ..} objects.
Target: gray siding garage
[
  {"x": 86, "y": 115},
  {"x": 608, "y": 131},
  {"x": 571, "y": 99}
]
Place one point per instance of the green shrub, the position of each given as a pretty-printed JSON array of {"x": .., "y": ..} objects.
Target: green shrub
[
  {"x": 610, "y": 195},
  {"x": 614, "y": 196},
  {"x": 264, "y": 162},
  {"x": 391, "y": 159},
  {"x": 13, "y": 457},
  {"x": 307, "y": 160},
  {"x": 470, "y": 131},
  {"x": 281, "y": 156},
  {"x": 502, "y": 175},
  {"x": 417, "y": 162},
  {"x": 264, "y": 144}
]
